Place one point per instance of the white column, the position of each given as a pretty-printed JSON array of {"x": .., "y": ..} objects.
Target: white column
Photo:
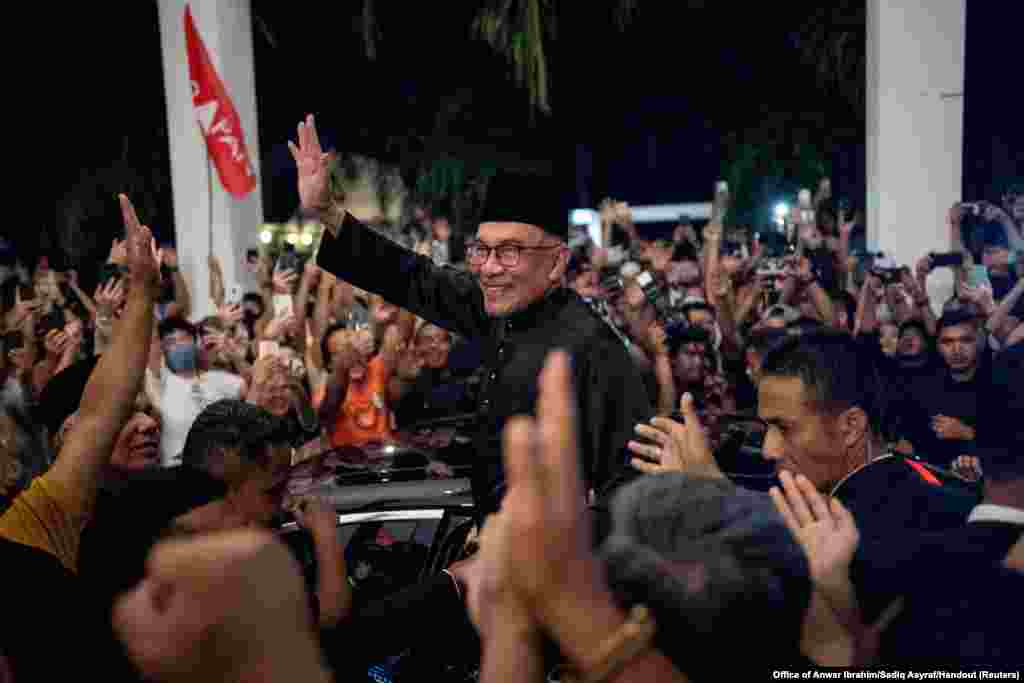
[
  {"x": 225, "y": 28},
  {"x": 915, "y": 80}
]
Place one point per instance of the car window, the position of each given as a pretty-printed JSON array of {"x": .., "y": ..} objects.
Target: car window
[
  {"x": 386, "y": 556},
  {"x": 384, "y": 551}
]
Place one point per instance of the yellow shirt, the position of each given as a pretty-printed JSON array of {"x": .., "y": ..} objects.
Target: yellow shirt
[{"x": 48, "y": 517}]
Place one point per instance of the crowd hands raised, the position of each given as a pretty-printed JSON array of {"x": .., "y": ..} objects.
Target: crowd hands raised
[{"x": 753, "y": 344}]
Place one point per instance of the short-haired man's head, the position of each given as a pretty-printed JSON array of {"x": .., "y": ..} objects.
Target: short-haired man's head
[
  {"x": 234, "y": 431},
  {"x": 710, "y": 560},
  {"x": 958, "y": 340},
  {"x": 249, "y": 450},
  {"x": 820, "y": 397}
]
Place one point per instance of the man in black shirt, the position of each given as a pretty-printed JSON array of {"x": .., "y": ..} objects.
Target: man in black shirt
[
  {"x": 939, "y": 409},
  {"x": 513, "y": 301},
  {"x": 821, "y": 398}
]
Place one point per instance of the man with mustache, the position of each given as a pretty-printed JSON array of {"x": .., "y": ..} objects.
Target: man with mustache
[{"x": 513, "y": 301}]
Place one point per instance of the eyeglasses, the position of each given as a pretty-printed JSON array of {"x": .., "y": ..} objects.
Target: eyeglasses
[{"x": 507, "y": 254}]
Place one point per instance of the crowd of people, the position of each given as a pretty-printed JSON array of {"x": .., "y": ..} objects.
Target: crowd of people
[{"x": 684, "y": 436}]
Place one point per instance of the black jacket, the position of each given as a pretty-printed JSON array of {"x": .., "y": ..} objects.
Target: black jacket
[
  {"x": 955, "y": 600},
  {"x": 611, "y": 396},
  {"x": 895, "y": 501}
]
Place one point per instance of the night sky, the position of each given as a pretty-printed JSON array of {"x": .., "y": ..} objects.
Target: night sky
[{"x": 644, "y": 110}]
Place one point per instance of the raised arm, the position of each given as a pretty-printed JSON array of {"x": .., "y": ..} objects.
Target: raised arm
[
  {"x": 71, "y": 277},
  {"x": 109, "y": 396},
  {"x": 867, "y": 308},
  {"x": 357, "y": 254},
  {"x": 712, "y": 254},
  {"x": 182, "y": 298},
  {"x": 917, "y": 285},
  {"x": 216, "y": 282},
  {"x": 997, "y": 321}
]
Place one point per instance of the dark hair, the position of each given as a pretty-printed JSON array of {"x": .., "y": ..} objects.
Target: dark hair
[
  {"x": 253, "y": 297},
  {"x": 711, "y": 561},
  {"x": 684, "y": 251},
  {"x": 834, "y": 370},
  {"x": 954, "y": 318},
  {"x": 914, "y": 325},
  {"x": 169, "y": 326},
  {"x": 677, "y": 335},
  {"x": 325, "y": 350},
  {"x": 230, "y": 424}
]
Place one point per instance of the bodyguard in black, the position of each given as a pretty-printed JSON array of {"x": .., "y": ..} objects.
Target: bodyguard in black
[{"x": 512, "y": 301}]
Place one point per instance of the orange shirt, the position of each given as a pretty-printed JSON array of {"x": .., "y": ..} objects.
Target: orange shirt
[{"x": 364, "y": 416}]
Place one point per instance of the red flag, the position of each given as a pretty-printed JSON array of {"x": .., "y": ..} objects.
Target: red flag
[{"x": 225, "y": 140}]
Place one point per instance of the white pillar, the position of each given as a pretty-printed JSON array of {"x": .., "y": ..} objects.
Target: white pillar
[
  {"x": 915, "y": 80},
  {"x": 225, "y": 28}
]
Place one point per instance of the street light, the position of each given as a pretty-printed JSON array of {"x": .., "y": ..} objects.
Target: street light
[{"x": 266, "y": 237}]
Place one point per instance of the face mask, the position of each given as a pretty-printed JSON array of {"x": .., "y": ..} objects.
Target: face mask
[{"x": 182, "y": 358}]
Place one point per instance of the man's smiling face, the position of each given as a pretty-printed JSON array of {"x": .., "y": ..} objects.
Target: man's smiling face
[{"x": 510, "y": 288}]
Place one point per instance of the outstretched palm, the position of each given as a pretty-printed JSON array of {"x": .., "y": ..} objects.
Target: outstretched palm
[
  {"x": 825, "y": 529},
  {"x": 311, "y": 161}
]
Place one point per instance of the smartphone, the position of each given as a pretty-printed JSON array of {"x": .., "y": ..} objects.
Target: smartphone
[
  {"x": 269, "y": 348},
  {"x": 979, "y": 277},
  {"x": 948, "y": 259},
  {"x": 233, "y": 295}
]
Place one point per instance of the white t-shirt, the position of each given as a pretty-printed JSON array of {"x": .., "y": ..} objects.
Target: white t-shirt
[{"x": 181, "y": 401}]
